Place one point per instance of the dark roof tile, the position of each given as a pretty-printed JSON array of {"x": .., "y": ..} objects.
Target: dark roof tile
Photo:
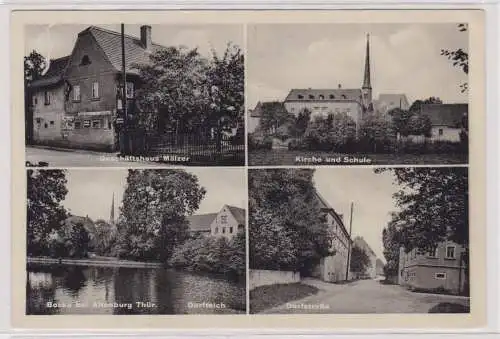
[
  {"x": 201, "y": 222},
  {"x": 449, "y": 115},
  {"x": 54, "y": 74},
  {"x": 324, "y": 94}
]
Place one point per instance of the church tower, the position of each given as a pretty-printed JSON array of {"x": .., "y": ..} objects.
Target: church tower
[
  {"x": 112, "y": 214},
  {"x": 367, "y": 84}
]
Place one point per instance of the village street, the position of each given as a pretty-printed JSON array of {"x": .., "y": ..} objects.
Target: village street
[
  {"x": 79, "y": 158},
  {"x": 365, "y": 296}
]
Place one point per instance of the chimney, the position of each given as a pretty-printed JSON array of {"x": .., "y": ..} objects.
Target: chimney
[
  {"x": 340, "y": 86},
  {"x": 146, "y": 37}
]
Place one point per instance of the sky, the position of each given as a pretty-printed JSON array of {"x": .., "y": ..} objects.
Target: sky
[
  {"x": 90, "y": 191},
  {"x": 405, "y": 58},
  {"x": 54, "y": 41},
  {"x": 371, "y": 195}
]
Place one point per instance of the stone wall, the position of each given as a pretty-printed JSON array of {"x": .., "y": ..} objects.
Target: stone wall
[{"x": 267, "y": 277}]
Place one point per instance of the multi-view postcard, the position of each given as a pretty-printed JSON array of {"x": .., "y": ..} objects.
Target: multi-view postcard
[{"x": 248, "y": 170}]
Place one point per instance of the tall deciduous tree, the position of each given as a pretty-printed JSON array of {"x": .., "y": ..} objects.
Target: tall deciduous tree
[
  {"x": 153, "y": 213},
  {"x": 433, "y": 206},
  {"x": 34, "y": 64},
  {"x": 46, "y": 191},
  {"x": 392, "y": 241},
  {"x": 287, "y": 228},
  {"x": 459, "y": 57}
]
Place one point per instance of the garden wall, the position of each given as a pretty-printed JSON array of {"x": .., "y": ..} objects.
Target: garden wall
[{"x": 267, "y": 277}]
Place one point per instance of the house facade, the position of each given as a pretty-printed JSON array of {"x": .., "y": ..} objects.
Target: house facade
[
  {"x": 226, "y": 223},
  {"x": 447, "y": 120},
  {"x": 79, "y": 97},
  {"x": 334, "y": 268},
  {"x": 440, "y": 268},
  {"x": 387, "y": 102}
]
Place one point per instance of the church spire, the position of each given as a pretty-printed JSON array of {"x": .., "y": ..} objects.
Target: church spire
[
  {"x": 112, "y": 214},
  {"x": 367, "y": 84}
]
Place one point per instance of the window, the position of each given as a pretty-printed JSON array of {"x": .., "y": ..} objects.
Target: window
[
  {"x": 300, "y": 96},
  {"x": 95, "y": 90},
  {"x": 230, "y": 230},
  {"x": 223, "y": 219},
  {"x": 223, "y": 230},
  {"x": 440, "y": 131},
  {"x": 76, "y": 93},
  {"x": 35, "y": 100},
  {"x": 109, "y": 124},
  {"x": 85, "y": 60},
  {"x": 45, "y": 125},
  {"x": 216, "y": 230},
  {"x": 86, "y": 123},
  {"x": 321, "y": 97},
  {"x": 46, "y": 96},
  {"x": 130, "y": 90},
  {"x": 52, "y": 123},
  {"x": 96, "y": 123},
  {"x": 78, "y": 124},
  {"x": 450, "y": 252},
  {"x": 343, "y": 96},
  {"x": 332, "y": 96},
  {"x": 440, "y": 276},
  {"x": 292, "y": 109},
  {"x": 433, "y": 253},
  {"x": 311, "y": 96}
]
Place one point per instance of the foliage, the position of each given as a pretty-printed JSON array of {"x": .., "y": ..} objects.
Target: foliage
[
  {"x": 376, "y": 132},
  {"x": 301, "y": 122},
  {"x": 212, "y": 254},
  {"x": 46, "y": 191},
  {"x": 106, "y": 237},
  {"x": 459, "y": 57},
  {"x": 287, "y": 228},
  {"x": 181, "y": 90},
  {"x": 335, "y": 132},
  {"x": 359, "y": 260},
  {"x": 152, "y": 220},
  {"x": 411, "y": 122},
  {"x": 417, "y": 104},
  {"x": 433, "y": 205},
  {"x": 273, "y": 115},
  {"x": 420, "y": 125},
  {"x": 256, "y": 142},
  {"x": 73, "y": 240},
  {"x": 34, "y": 64},
  {"x": 392, "y": 241}
]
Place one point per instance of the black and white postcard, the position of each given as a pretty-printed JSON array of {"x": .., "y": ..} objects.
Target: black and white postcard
[{"x": 350, "y": 94}]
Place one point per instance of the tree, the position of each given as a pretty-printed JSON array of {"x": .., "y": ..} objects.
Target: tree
[
  {"x": 331, "y": 133},
  {"x": 359, "y": 260},
  {"x": 459, "y": 57},
  {"x": 273, "y": 116},
  {"x": 106, "y": 237},
  {"x": 391, "y": 238},
  {"x": 376, "y": 131},
  {"x": 46, "y": 191},
  {"x": 153, "y": 213},
  {"x": 420, "y": 125},
  {"x": 74, "y": 239},
  {"x": 433, "y": 206},
  {"x": 287, "y": 227},
  {"x": 34, "y": 64}
]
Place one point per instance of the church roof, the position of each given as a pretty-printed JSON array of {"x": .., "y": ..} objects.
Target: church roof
[
  {"x": 310, "y": 95},
  {"x": 449, "y": 115},
  {"x": 111, "y": 44}
]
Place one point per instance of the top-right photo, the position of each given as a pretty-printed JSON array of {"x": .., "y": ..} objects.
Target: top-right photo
[{"x": 357, "y": 94}]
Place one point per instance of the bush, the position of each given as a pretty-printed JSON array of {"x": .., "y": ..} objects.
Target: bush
[
  {"x": 298, "y": 145},
  {"x": 212, "y": 254},
  {"x": 259, "y": 142}
]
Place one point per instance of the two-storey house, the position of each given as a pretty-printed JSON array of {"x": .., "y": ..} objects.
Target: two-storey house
[
  {"x": 443, "y": 267},
  {"x": 83, "y": 97},
  {"x": 226, "y": 223},
  {"x": 334, "y": 268}
]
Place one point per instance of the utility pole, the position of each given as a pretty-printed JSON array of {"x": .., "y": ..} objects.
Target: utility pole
[
  {"x": 349, "y": 245},
  {"x": 124, "y": 93}
]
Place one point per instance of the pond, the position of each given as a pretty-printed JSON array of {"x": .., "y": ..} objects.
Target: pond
[{"x": 68, "y": 289}]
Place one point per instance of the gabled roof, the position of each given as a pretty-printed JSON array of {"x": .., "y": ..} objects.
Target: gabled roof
[
  {"x": 392, "y": 101},
  {"x": 201, "y": 222},
  {"x": 111, "y": 44},
  {"x": 238, "y": 213},
  {"x": 449, "y": 115},
  {"x": 339, "y": 94},
  {"x": 268, "y": 105},
  {"x": 54, "y": 74}
]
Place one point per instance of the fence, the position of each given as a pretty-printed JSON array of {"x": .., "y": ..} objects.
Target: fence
[{"x": 200, "y": 148}]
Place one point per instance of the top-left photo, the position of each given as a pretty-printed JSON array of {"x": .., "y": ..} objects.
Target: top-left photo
[{"x": 134, "y": 95}]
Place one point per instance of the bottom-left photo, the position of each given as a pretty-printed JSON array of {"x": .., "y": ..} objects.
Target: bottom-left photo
[{"x": 137, "y": 241}]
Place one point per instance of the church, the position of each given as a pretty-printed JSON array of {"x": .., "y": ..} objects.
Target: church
[{"x": 355, "y": 102}]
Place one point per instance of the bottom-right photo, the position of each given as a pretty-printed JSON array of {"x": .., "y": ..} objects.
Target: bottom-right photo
[{"x": 348, "y": 240}]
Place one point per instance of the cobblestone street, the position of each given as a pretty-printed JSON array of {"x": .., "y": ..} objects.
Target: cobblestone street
[{"x": 365, "y": 296}]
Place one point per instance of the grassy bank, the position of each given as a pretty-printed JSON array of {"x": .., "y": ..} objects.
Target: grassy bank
[
  {"x": 266, "y": 297},
  {"x": 98, "y": 261}
]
